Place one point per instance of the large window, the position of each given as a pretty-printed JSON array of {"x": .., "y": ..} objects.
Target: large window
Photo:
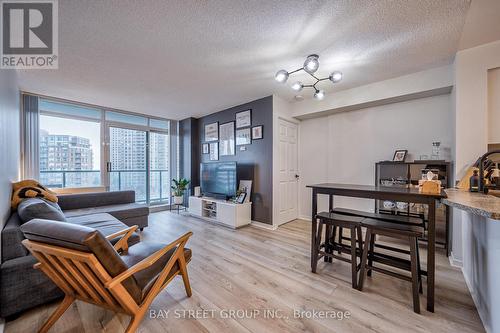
[
  {"x": 82, "y": 146},
  {"x": 70, "y": 146}
]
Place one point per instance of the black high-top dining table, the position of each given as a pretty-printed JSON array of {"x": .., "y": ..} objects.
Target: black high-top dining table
[{"x": 411, "y": 195}]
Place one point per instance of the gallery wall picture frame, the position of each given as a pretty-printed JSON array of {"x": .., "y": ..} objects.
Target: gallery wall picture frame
[
  {"x": 257, "y": 132},
  {"x": 205, "y": 148},
  {"x": 227, "y": 139},
  {"x": 212, "y": 132},
  {"x": 243, "y": 137},
  {"x": 244, "y": 119},
  {"x": 214, "y": 151}
]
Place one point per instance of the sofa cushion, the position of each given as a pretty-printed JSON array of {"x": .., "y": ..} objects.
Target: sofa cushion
[
  {"x": 80, "y": 238},
  {"x": 120, "y": 211},
  {"x": 36, "y": 208},
  {"x": 147, "y": 277},
  {"x": 12, "y": 237},
  {"x": 86, "y": 200},
  {"x": 105, "y": 223}
]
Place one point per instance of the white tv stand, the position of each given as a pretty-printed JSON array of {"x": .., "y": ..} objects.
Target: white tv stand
[{"x": 227, "y": 213}]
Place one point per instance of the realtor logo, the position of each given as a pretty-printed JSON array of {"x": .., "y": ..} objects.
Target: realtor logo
[{"x": 29, "y": 34}]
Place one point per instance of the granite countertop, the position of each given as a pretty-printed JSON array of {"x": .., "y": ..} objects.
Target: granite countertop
[{"x": 476, "y": 203}]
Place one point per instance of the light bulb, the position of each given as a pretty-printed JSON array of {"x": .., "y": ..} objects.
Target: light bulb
[
  {"x": 281, "y": 76},
  {"x": 311, "y": 64},
  {"x": 297, "y": 86},
  {"x": 336, "y": 76},
  {"x": 319, "y": 95}
]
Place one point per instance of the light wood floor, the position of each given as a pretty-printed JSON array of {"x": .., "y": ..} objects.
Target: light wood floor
[{"x": 254, "y": 268}]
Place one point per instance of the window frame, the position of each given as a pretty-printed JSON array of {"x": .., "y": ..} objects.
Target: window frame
[{"x": 105, "y": 140}]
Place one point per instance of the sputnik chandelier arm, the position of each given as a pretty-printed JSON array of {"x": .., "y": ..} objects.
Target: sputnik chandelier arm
[{"x": 311, "y": 65}]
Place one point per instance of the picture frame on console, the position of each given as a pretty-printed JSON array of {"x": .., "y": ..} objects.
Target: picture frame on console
[
  {"x": 241, "y": 198},
  {"x": 400, "y": 155}
]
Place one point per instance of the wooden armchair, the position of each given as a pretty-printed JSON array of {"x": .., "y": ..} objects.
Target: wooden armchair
[{"x": 84, "y": 264}]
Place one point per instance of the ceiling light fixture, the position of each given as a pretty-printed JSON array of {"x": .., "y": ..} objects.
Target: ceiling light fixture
[
  {"x": 311, "y": 65},
  {"x": 297, "y": 86}
]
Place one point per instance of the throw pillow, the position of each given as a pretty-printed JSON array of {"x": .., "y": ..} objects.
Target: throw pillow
[{"x": 35, "y": 208}]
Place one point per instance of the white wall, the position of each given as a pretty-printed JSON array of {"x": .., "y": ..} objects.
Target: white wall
[
  {"x": 344, "y": 147},
  {"x": 471, "y": 84},
  {"x": 494, "y": 105},
  {"x": 9, "y": 139}
]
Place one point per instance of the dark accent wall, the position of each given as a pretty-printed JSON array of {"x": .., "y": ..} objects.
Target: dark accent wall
[
  {"x": 256, "y": 162},
  {"x": 189, "y": 151}
]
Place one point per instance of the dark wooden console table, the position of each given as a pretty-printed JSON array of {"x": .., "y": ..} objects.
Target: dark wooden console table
[{"x": 411, "y": 195}]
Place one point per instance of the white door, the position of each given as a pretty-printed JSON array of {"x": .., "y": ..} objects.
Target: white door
[{"x": 288, "y": 173}]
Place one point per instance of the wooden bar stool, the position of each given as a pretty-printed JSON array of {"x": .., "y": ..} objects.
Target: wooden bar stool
[
  {"x": 405, "y": 232},
  {"x": 332, "y": 222}
]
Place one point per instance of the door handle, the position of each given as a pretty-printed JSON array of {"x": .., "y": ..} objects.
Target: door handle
[
  {"x": 297, "y": 176},
  {"x": 108, "y": 166}
]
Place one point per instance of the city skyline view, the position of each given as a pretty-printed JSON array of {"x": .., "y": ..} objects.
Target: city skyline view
[{"x": 70, "y": 156}]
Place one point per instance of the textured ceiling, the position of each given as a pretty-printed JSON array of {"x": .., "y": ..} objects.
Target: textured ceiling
[{"x": 189, "y": 58}]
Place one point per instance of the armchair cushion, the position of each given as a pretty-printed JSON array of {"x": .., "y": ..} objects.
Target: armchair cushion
[
  {"x": 146, "y": 278},
  {"x": 81, "y": 238}
]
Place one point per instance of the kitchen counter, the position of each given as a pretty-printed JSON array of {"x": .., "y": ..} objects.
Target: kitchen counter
[{"x": 476, "y": 203}]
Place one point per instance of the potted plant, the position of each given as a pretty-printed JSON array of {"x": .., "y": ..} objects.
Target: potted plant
[{"x": 178, "y": 190}]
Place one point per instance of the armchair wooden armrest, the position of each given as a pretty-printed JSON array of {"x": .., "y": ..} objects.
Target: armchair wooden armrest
[
  {"x": 122, "y": 244},
  {"x": 147, "y": 262}
]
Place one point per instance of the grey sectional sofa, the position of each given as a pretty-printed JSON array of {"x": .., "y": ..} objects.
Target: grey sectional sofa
[{"x": 21, "y": 286}]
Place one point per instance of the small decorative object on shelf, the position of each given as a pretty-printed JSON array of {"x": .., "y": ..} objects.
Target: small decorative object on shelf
[
  {"x": 179, "y": 188},
  {"x": 400, "y": 155},
  {"x": 436, "y": 150},
  {"x": 241, "y": 194},
  {"x": 430, "y": 184}
]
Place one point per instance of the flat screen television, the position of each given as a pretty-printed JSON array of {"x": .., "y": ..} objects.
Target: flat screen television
[{"x": 218, "y": 179}]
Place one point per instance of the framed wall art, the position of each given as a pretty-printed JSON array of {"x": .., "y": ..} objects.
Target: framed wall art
[
  {"x": 226, "y": 139},
  {"x": 244, "y": 119},
  {"x": 212, "y": 132}
]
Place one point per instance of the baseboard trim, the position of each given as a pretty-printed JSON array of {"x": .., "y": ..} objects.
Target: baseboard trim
[
  {"x": 476, "y": 302},
  {"x": 304, "y": 217},
  {"x": 263, "y": 225},
  {"x": 454, "y": 261}
]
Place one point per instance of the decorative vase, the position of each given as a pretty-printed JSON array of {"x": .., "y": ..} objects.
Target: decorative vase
[{"x": 178, "y": 200}]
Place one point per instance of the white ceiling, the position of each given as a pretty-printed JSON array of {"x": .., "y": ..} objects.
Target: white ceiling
[{"x": 178, "y": 59}]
